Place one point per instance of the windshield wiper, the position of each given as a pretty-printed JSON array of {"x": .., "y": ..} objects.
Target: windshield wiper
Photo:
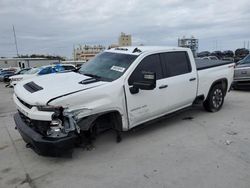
[{"x": 92, "y": 75}]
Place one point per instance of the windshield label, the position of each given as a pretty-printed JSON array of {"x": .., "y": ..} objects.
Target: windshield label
[{"x": 119, "y": 69}]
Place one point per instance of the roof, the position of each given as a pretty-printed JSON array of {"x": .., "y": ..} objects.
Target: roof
[{"x": 136, "y": 50}]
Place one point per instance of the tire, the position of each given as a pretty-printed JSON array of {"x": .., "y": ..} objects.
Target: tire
[{"x": 215, "y": 99}]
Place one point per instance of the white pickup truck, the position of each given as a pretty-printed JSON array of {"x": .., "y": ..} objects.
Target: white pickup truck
[{"x": 119, "y": 89}]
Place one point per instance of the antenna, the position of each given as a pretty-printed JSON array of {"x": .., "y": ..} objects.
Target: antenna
[{"x": 15, "y": 41}]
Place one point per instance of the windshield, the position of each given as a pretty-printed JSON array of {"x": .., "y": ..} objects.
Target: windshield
[
  {"x": 246, "y": 60},
  {"x": 107, "y": 66},
  {"x": 33, "y": 71}
]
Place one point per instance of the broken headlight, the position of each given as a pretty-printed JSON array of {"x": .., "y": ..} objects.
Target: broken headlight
[{"x": 56, "y": 129}]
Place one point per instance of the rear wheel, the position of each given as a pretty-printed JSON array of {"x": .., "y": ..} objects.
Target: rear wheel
[{"x": 215, "y": 99}]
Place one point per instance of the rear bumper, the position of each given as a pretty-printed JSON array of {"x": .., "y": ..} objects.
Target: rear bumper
[{"x": 42, "y": 145}]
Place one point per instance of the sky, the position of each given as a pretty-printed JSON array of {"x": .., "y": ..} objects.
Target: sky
[{"x": 54, "y": 27}]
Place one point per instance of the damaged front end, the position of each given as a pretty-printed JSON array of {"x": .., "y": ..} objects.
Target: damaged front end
[{"x": 51, "y": 138}]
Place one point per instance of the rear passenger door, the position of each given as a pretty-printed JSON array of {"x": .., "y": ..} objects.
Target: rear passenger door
[{"x": 180, "y": 78}]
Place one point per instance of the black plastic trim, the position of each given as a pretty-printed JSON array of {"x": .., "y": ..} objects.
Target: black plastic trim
[
  {"x": 41, "y": 144},
  {"x": 32, "y": 87},
  {"x": 206, "y": 64}
]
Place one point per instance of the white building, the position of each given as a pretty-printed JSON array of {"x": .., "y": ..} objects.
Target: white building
[
  {"x": 125, "y": 40},
  {"x": 191, "y": 43},
  {"x": 25, "y": 62},
  {"x": 86, "y": 52}
]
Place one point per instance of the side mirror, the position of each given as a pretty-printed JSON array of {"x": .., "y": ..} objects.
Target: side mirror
[{"x": 148, "y": 82}]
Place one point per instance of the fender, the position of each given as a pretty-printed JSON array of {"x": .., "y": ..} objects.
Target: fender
[
  {"x": 87, "y": 122},
  {"x": 222, "y": 81}
]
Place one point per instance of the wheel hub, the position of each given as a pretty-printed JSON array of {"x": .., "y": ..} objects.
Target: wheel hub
[{"x": 217, "y": 98}]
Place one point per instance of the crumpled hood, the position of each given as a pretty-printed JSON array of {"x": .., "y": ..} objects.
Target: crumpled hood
[{"x": 53, "y": 86}]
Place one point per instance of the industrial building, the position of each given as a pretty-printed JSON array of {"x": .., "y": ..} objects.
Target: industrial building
[
  {"x": 125, "y": 40},
  {"x": 26, "y": 62},
  {"x": 191, "y": 43},
  {"x": 86, "y": 52}
]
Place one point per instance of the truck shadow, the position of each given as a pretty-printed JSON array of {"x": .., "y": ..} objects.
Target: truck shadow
[{"x": 106, "y": 141}]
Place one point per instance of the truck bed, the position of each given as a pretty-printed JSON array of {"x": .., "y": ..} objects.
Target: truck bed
[{"x": 206, "y": 63}]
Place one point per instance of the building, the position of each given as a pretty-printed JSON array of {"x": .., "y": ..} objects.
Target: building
[
  {"x": 191, "y": 43},
  {"x": 26, "y": 62},
  {"x": 113, "y": 46},
  {"x": 86, "y": 52},
  {"x": 125, "y": 40}
]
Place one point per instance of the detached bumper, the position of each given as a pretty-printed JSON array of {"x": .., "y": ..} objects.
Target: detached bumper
[{"x": 42, "y": 145}]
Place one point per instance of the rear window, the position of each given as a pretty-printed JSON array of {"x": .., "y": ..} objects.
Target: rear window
[{"x": 176, "y": 63}]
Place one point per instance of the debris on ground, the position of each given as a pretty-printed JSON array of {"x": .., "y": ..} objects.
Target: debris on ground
[
  {"x": 232, "y": 133},
  {"x": 188, "y": 118},
  {"x": 228, "y": 142}
]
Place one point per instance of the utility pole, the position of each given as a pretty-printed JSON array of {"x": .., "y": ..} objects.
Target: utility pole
[
  {"x": 74, "y": 55},
  {"x": 15, "y": 41}
]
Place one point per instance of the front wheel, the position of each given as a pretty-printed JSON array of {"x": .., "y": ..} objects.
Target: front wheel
[{"x": 215, "y": 99}]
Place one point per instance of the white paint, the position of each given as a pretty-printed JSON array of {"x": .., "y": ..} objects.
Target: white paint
[{"x": 101, "y": 96}]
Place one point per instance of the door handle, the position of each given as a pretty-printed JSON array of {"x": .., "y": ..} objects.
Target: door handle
[
  {"x": 163, "y": 86},
  {"x": 192, "y": 79}
]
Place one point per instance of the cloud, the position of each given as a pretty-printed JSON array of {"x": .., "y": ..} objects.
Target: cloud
[{"x": 54, "y": 26}]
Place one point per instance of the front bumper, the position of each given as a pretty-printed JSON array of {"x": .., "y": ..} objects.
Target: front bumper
[{"x": 43, "y": 145}]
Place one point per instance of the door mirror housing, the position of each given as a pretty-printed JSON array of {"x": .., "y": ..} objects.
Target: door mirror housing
[{"x": 148, "y": 82}]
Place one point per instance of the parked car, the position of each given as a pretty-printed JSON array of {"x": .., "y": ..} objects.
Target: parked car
[
  {"x": 22, "y": 71},
  {"x": 210, "y": 58},
  {"x": 218, "y": 54},
  {"x": 118, "y": 89},
  {"x": 5, "y": 74},
  {"x": 203, "y": 54},
  {"x": 242, "y": 74},
  {"x": 41, "y": 71},
  {"x": 240, "y": 54},
  {"x": 228, "y": 53}
]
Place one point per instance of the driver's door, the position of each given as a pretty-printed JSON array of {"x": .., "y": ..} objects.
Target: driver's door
[{"x": 146, "y": 104}]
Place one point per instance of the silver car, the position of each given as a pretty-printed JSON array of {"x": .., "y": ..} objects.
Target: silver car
[{"x": 242, "y": 74}]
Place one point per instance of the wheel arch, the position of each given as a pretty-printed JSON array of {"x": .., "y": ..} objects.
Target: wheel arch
[
  {"x": 115, "y": 116},
  {"x": 223, "y": 82}
]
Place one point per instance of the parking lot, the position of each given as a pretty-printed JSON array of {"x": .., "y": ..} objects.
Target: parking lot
[{"x": 191, "y": 149}]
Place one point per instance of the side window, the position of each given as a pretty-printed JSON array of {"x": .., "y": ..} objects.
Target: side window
[
  {"x": 247, "y": 59},
  {"x": 46, "y": 70},
  {"x": 176, "y": 63},
  {"x": 150, "y": 63},
  {"x": 58, "y": 69},
  {"x": 68, "y": 67}
]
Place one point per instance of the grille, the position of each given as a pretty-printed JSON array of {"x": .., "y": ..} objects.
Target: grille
[
  {"x": 24, "y": 103},
  {"x": 38, "y": 126},
  {"x": 32, "y": 87}
]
